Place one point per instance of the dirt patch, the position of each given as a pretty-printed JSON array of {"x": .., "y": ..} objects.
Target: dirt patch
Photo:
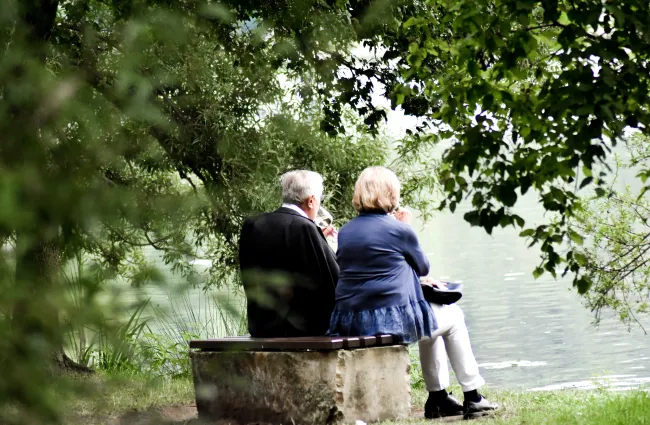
[
  {"x": 168, "y": 415},
  {"x": 418, "y": 413},
  {"x": 187, "y": 415},
  {"x": 179, "y": 413}
]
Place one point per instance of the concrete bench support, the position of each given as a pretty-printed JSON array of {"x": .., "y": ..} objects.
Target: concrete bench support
[{"x": 303, "y": 387}]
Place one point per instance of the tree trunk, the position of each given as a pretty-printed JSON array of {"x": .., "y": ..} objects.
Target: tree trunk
[
  {"x": 35, "y": 315},
  {"x": 63, "y": 363}
]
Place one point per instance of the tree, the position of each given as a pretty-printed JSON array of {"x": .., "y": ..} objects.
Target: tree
[
  {"x": 119, "y": 133},
  {"x": 616, "y": 255},
  {"x": 532, "y": 95}
]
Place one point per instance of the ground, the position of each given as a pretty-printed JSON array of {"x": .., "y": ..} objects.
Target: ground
[{"x": 138, "y": 401}]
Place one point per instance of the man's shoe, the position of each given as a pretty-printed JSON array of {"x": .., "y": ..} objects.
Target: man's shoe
[
  {"x": 476, "y": 409},
  {"x": 447, "y": 407}
]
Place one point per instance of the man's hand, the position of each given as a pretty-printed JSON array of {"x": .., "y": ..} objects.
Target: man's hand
[
  {"x": 403, "y": 215},
  {"x": 429, "y": 281},
  {"x": 329, "y": 231}
]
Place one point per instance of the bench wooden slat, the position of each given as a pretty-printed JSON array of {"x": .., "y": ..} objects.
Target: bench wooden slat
[
  {"x": 385, "y": 340},
  {"x": 317, "y": 343},
  {"x": 351, "y": 342},
  {"x": 369, "y": 341}
]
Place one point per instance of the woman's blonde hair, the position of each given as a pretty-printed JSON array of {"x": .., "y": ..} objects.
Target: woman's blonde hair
[{"x": 376, "y": 189}]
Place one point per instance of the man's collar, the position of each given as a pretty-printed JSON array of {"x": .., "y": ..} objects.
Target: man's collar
[{"x": 297, "y": 209}]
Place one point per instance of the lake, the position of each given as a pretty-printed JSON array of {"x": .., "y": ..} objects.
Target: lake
[{"x": 528, "y": 333}]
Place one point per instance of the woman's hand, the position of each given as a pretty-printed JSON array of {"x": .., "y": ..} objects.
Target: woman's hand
[
  {"x": 429, "y": 281},
  {"x": 329, "y": 231},
  {"x": 403, "y": 215}
]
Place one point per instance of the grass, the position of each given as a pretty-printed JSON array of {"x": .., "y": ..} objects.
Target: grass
[
  {"x": 599, "y": 407},
  {"x": 566, "y": 407},
  {"x": 109, "y": 400},
  {"x": 104, "y": 399}
]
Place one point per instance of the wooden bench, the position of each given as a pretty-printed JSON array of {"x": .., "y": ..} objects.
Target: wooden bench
[
  {"x": 316, "y": 343},
  {"x": 312, "y": 380}
]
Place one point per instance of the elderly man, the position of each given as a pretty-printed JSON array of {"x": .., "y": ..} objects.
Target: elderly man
[{"x": 288, "y": 270}]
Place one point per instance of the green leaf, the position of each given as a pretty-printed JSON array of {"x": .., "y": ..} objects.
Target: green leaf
[
  {"x": 410, "y": 22},
  {"x": 520, "y": 221},
  {"x": 538, "y": 272},
  {"x": 576, "y": 237},
  {"x": 564, "y": 19},
  {"x": 450, "y": 185},
  {"x": 217, "y": 12},
  {"x": 583, "y": 284},
  {"x": 580, "y": 258},
  {"x": 527, "y": 233},
  {"x": 586, "y": 181},
  {"x": 416, "y": 60},
  {"x": 506, "y": 194},
  {"x": 472, "y": 68},
  {"x": 585, "y": 110}
]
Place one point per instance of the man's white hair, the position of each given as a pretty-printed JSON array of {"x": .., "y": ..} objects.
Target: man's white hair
[{"x": 299, "y": 185}]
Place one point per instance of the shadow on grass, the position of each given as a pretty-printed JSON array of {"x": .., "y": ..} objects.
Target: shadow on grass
[{"x": 173, "y": 415}]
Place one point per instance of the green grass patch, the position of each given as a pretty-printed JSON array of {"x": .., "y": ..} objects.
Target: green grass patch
[
  {"x": 598, "y": 407},
  {"x": 107, "y": 400},
  {"x": 103, "y": 399}
]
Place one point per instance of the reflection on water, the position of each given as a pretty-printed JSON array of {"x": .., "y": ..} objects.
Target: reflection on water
[
  {"x": 610, "y": 382},
  {"x": 529, "y": 333}
]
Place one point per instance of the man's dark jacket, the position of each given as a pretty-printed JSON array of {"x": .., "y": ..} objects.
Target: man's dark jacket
[{"x": 289, "y": 274}]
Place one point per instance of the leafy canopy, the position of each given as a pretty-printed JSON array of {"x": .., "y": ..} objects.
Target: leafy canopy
[
  {"x": 136, "y": 124},
  {"x": 531, "y": 94}
]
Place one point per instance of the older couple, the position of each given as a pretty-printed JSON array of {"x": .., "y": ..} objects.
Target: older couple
[{"x": 295, "y": 286}]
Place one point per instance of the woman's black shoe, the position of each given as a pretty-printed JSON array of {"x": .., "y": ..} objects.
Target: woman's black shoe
[
  {"x": 449, "y": 406},
  {"x": 483, "y": 407}
]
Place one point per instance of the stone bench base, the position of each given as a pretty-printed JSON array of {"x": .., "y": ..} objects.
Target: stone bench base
[{"x": 313, "y": 387}]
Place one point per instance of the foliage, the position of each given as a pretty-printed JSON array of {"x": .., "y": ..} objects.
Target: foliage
[
  {"x": 142, "y": 338},
  {"x": 76, "y": 340},
  {"x": 105, "y": 340},
  {"x": 531, "y": 93},
  {"x": 163, "y": 350},
  {"x": 104, "y": 336},
  {"x": 417, "y": 380},
  {"x": 616, "y": 254},
  {"x": 116, "y": 343},
  {"x": 121, "y": 135},
  {"x": 205, "y": 104}
]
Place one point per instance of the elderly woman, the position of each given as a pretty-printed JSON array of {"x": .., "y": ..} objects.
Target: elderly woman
[{"x": 378, "y": 292}]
